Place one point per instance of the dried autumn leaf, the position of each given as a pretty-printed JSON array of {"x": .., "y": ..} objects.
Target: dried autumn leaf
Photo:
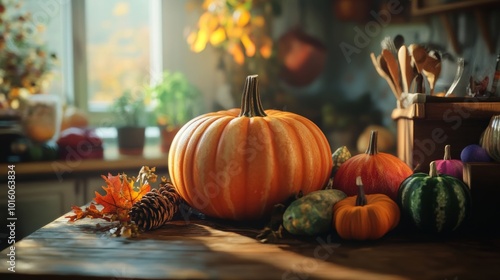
[
  {"x": 116, "y": 204},
  {"x": 258, "y": 21},
  {"x": 248, "y": 44},
  {"x": 120, "y": 194},
  {"x": 213, "y": 23},
  {"x": 201, "y": 41},
  {"x": 237, "y": 54},
  {"x": 234, "y": 31},
  {"x": 204, "y": 19},
  {"x": 89, "y": 212},
  {"x": 266, "y": 49},
  {"x": 242, "y": 17},
  {"x": 79, "y": 214},
  {"x": 218, "y": 36}
]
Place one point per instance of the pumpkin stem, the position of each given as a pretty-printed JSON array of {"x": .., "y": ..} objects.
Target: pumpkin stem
[
  {"x": 361, "y": 198},
  {"x": 251, "y": 106},
  {"x": 447, "y": 152},
  {"x": 433, "y": 170},
  {"x": 372, "y": 145}
]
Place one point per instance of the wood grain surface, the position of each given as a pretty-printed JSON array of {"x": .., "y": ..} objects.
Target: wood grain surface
[{"x": 207, "y": 249}]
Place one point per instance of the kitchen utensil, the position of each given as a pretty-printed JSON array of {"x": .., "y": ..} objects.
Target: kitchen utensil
[
  {"x": 393, "y": 69},
  {"x": 458, "y": 76},
  {"x": 418, "y": 56},
  {"x": 432, "y": 69},
  {"x": 383, "y": 64},
  {"x": 388, "y": 44},
  {"x": 417, "y": 84},
  {"x": 399, "y": 41},
  {"x": 407, "y": 73},
  {"x": 383, "y": 74}
]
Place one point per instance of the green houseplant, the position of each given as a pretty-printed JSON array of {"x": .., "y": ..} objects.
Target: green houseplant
[
  {"x": 130, "y": 112},
  {"x": 175, "y": 101}
]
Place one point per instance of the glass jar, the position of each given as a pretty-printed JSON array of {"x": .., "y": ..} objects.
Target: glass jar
[{"x": 42, "y": 119}]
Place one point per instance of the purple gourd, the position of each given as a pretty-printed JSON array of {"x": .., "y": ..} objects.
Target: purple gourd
[{"x": 449, "y": 166}]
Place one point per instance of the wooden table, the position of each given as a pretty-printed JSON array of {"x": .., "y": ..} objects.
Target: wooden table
[{"x": 201, "y": 249}]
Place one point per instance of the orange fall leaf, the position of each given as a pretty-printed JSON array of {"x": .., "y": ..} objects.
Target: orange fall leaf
[
  {"x": 120, "y": 194},
  {"x": 89, "y": 212}
]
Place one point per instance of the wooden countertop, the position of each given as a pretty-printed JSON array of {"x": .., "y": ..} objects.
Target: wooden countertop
[{"x": 201, "y": 249}]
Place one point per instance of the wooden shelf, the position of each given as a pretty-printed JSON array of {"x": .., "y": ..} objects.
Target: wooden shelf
[
  {"x": 419, "y": 10},
  {"x": 444, "y": 11}
]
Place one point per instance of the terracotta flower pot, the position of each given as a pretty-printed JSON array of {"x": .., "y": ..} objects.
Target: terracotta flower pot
[
  {"x": 167, "y": 135},
  {"x": 131, "y": 140}
]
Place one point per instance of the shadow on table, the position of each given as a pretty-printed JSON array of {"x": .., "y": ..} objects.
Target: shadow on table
[
  {"x": 404, "y": 252},
  {"x": 200, "y": 249}
]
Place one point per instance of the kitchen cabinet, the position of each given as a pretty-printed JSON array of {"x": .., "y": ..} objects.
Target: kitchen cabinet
[
  {"x": 36, "y": 204},
  {"x": 47, "y": 190}
]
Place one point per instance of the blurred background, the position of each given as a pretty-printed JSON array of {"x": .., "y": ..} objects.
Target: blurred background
[{"x": 313, "y": 57}]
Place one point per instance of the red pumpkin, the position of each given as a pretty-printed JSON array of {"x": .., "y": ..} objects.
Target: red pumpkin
[
  {"x": 382, "y": 172},
  {"x": 237, "y": 164},
  {"x": 448, "y": 166}
]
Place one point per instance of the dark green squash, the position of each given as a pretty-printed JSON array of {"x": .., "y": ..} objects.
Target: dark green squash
[
  {"x": 435, "y": 203},
  {"x": 312, "y": 214}
]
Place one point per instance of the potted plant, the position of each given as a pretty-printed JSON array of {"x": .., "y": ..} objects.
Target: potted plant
[
  {"x": 175, "y": 101},
  {"x": 130, "y": 113}
]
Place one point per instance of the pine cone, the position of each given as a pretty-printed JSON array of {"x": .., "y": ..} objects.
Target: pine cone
[{"x": 156, "y": 207}]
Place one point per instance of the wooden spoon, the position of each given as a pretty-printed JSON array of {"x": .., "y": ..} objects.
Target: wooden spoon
[
  {"x": 393, "y": 69},
  {"x": 418, "y": 56},
  {"x": 407, "y": 73},
  {"x": 383, "y": 74},
  {"x": 432, "y": 70}
]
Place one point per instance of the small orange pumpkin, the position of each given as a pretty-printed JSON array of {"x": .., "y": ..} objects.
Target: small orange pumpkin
[
  {"x": 237, "y": 164},
  {"x": 364, "y": 217}
]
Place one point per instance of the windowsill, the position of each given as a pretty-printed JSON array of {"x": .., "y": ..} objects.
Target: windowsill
[
  {"x": 112, "y": 162},
  {"x": 109, "y": 135}
]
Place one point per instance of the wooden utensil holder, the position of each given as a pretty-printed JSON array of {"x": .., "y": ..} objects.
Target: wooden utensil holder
[{"x": 426, "y": 126}]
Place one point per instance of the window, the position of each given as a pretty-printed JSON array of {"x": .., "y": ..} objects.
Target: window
[
  {"x": 108, "y": 46},
  {"x": 115, "y": 49}
]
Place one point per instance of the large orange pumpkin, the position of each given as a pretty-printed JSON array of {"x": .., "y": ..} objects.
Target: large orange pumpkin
[
  {"x": 383, "y": 172},
  {"x": 237, "y": 164}
]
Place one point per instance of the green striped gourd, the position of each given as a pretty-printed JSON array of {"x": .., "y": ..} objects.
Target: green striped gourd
[
  {"x": 435, "y": 203},
  {"x": 312, "y": 214}
]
